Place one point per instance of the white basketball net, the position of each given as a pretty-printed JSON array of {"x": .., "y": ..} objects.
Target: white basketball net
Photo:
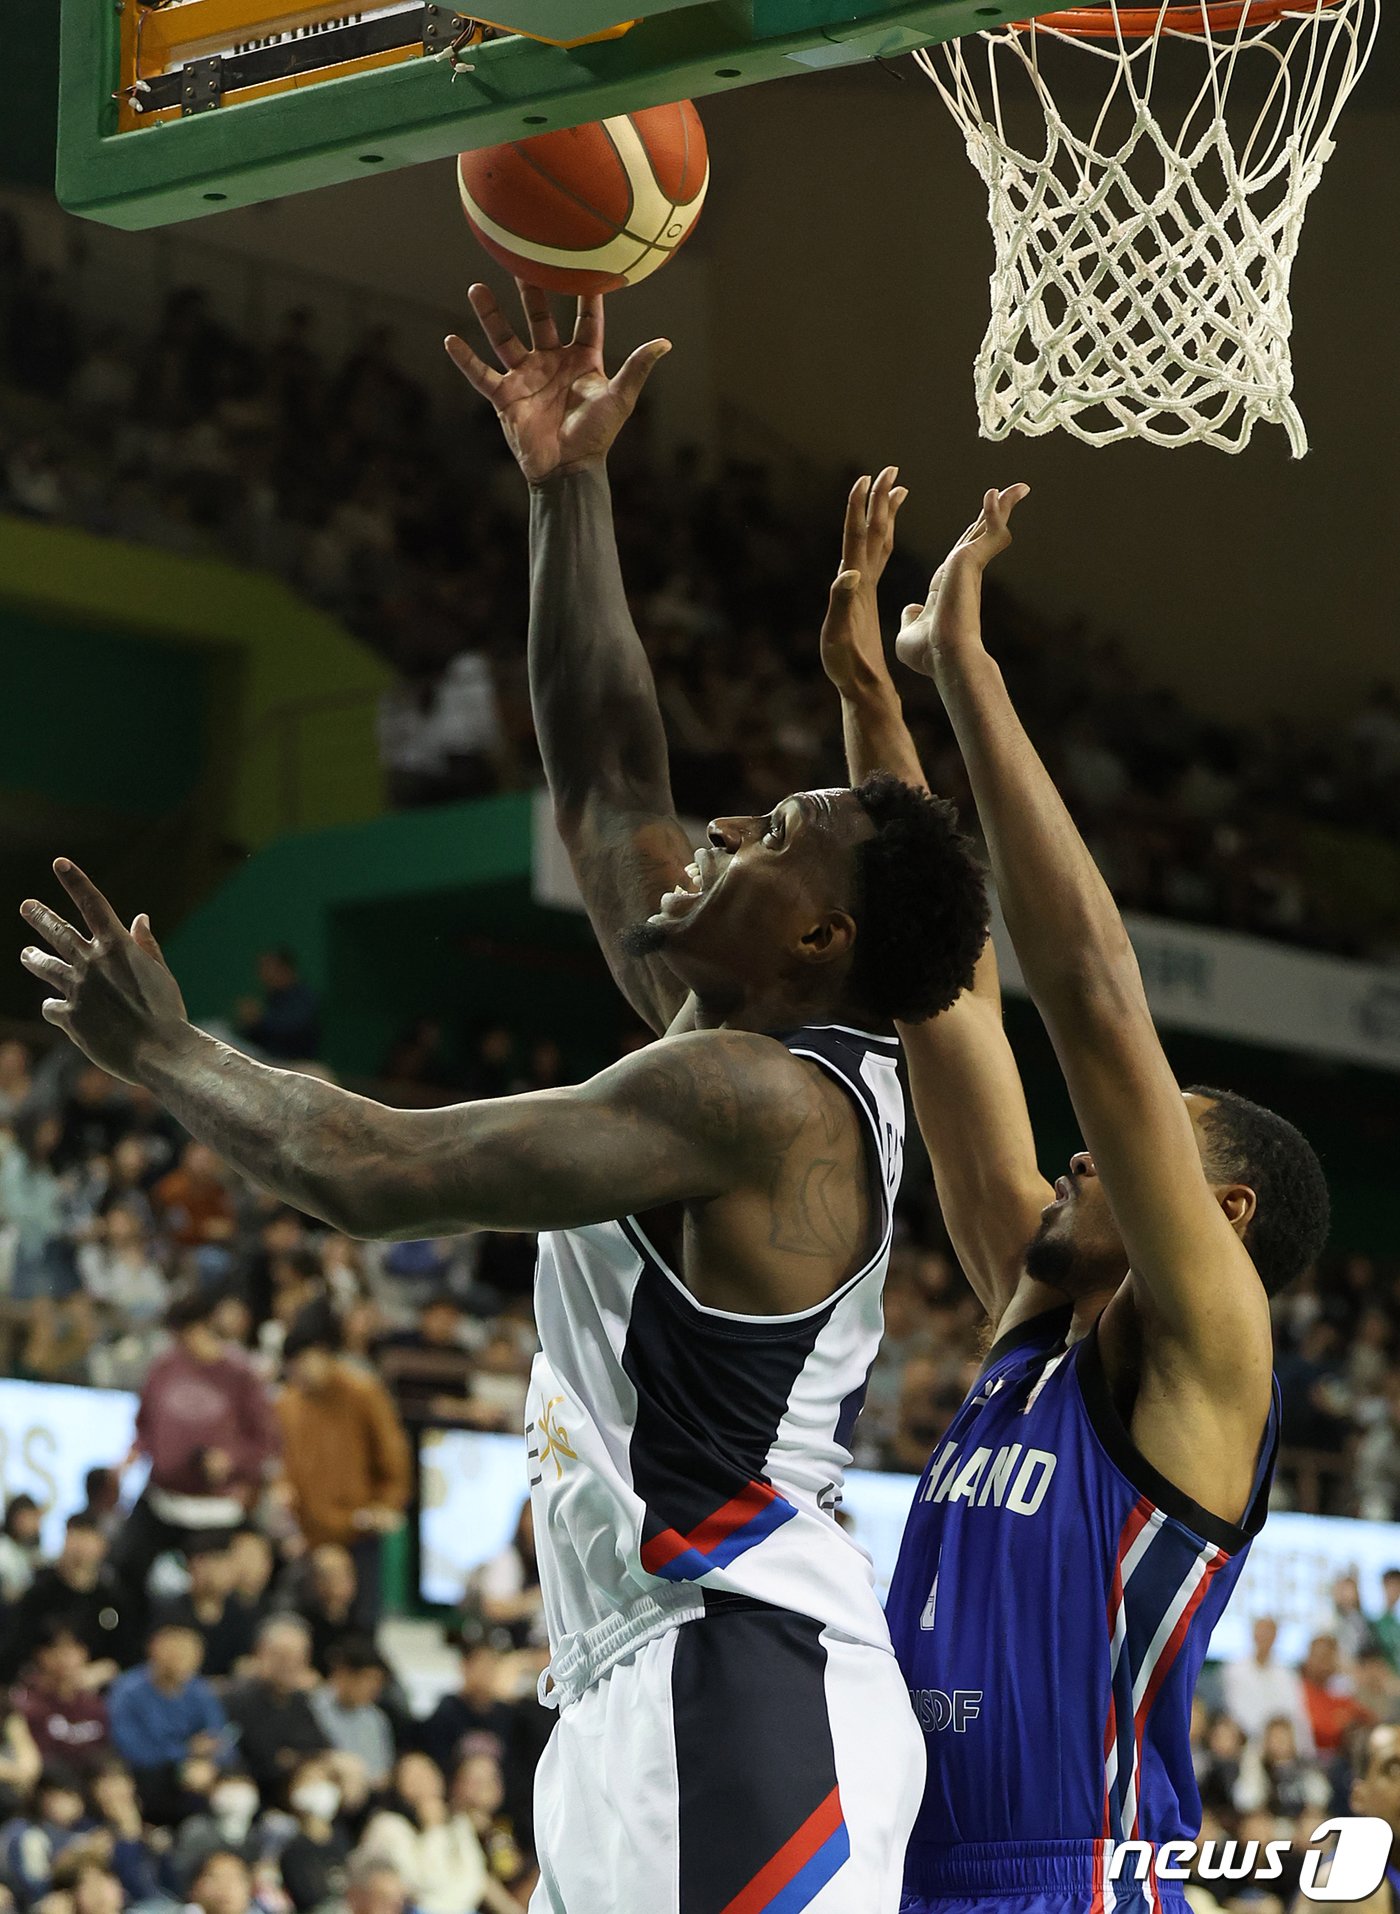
[{"x": 1141, "y": 281}]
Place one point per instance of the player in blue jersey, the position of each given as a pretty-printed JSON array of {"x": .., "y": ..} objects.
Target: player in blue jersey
[{"x": 1078, "y": 1530}]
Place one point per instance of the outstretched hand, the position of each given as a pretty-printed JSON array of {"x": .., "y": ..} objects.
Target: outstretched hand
[
  {"x": 115, "y": 994},
  {"x": 852, "y": 650},
  {"x": 557, "y": 406},
  {"x": 948, "y": 625}
]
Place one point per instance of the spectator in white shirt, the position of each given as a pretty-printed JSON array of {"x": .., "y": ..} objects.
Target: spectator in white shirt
[
  {"x": 1259, "y": 1690},
  {"x": 434, "y": 1848}
]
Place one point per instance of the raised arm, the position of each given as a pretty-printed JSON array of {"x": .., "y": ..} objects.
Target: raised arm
[
  {"x": 968, "y": 1098},
  {"x": 591, "y": 687},
  {"x": 676, "y": 1123},
  {"x": 1203, "y": 1310}
]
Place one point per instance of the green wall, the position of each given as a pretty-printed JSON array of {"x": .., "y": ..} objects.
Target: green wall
[
  {"x": 165, "y": 716},
  {"x": 104, "y": 717},
  {"x": 415, "y": 914},
  {"x": 290, "y": 694},
  {"x": 29, "y": 59}
]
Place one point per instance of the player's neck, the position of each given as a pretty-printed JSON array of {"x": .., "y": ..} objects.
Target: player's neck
[
  {"x": 1088, "y": 1309},
  {"x": 765, "y": 1010}
]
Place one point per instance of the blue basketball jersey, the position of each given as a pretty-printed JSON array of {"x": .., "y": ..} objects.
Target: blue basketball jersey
[{"x": 1051, "y": 1609}]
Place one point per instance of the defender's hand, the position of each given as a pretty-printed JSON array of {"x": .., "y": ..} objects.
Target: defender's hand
[
  {"x": 949, "y": 624},
  {"x": 116, "y": 996},
  {"x": 852, "y": 651},
  {"x": 557, "y": 406}
]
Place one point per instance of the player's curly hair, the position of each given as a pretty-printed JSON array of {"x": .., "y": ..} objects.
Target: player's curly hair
[
  {"x": 921, "y": 904},
  {"x": 1248, "y": 1144}
]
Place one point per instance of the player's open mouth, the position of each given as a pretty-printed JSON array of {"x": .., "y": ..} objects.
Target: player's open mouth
[{"x": 686, "y": 894}]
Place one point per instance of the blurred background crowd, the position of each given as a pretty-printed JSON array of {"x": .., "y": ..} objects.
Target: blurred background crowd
[{"x": 333, "y": 472}]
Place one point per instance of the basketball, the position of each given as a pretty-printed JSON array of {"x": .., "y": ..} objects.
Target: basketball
[{"x": 590, "y": 208}]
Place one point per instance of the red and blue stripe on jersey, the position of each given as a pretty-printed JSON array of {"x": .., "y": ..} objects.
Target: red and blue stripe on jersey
[
  {"x": 712, "y": 1389},
  {"x": 744, "y": 1520}
]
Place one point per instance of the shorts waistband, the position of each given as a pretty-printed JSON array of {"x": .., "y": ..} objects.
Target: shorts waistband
[
  {"x": 578, "y": 1661},
  {"x": 1009, "y": 1868}
]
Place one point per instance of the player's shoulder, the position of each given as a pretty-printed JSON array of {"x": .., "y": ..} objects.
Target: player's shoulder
[{"x": 742, "y": 1083}]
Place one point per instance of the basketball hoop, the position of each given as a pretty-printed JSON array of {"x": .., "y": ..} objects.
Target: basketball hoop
[{"x": 1140, "y": 288}]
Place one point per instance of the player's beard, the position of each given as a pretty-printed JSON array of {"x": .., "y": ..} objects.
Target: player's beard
[
  {"x": 1050, "y": 1258},
  {"x": 644, "y": 939},
  {"x": 1055, "y": 1258}
]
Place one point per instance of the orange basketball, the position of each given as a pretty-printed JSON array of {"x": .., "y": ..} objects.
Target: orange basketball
[{"x": 590, "y": 208}]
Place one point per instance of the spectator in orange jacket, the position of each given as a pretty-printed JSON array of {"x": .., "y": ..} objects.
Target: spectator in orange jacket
[{"x": 345, "y": 1455}]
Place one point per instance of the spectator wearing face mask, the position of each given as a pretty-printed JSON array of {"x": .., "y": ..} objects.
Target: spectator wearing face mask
[
  {"x": 313, "y": 1861},
  {"x": 227, "y": 1824}
]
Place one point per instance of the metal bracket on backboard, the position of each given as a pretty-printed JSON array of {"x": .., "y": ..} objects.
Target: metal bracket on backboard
[
  {"x": 401, "y": 108},
  {"x": 202, "y": 85}
]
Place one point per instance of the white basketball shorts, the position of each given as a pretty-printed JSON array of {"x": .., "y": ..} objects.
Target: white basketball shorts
[{"x": 749, "y": 1762}]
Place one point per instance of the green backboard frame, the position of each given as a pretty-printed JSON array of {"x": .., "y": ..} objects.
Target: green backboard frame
[{"x": 418, "y": 110}]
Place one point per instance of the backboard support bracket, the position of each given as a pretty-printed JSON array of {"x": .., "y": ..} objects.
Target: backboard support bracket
[{"x": 418, "y": 108}]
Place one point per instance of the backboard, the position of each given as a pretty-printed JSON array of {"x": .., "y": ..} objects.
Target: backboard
[{"x": 169, "y": 109}]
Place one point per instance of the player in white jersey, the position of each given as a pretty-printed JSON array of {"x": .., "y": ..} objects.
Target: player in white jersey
[{"x": 734, "y": 1735}]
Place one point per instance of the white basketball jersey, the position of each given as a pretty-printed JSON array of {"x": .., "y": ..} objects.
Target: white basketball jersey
[{"x": 682, "y": 1453}]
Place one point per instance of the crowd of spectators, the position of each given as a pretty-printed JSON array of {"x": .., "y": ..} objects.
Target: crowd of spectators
[
  {"x": 1279, "y": 1744},
  {"x": 336, "y": 475},
  {"x": 224, "y": 1732},
  {"x": 200, "y": 1712}
]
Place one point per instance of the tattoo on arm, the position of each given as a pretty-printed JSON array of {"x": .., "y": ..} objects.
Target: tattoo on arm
[
  {"x": 685, "y": 1120},
  {"x": 600, "y": 729}
]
